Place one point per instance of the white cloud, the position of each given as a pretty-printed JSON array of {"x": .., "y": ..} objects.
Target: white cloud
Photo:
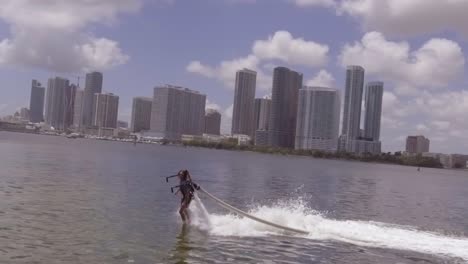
[
  {"x": 435, "y": 64},
  {"x": 197, "y": 67},
  {"x": 50, "y": 34},
  {"x": 279, "y": 47},
  {"x": 409, "y": 17},
  {"x": 401, "y": 17},
  {"x": 323, "y": 78},
  {"x": 212, "y": 105},
  {"x": 439, "y": 115},
  {"x": 282, "y": 46}
]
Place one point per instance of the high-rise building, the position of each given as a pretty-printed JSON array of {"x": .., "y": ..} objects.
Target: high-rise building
[
  {"x": 244, "y": 102},
  {"x": 373, "y": 110},
  {"x": 93, "y": 85},
  {"x": 36, "y": 103},
  {"x": 212, "y": 122},
  {"x": 262, "y": 113},
  {"x": 282, "y": 122},
  {"x": 106, "y": 110},
  {"x": 69, "y": 114},
  {"x": 318, "y": 119},
  {"x": 417, "y": 144},
  {"x": 141, "y": 114},
  {"x": 79, "y": 108},
  {"x": 177, "y": 111},
  {"x": 60, "y": 103},
  {"x": 353, "y": 102}
]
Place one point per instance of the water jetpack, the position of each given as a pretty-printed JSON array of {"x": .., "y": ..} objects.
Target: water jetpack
[
  {"x": 233, "y": 209},
  {"x": 193, "y": 185}
]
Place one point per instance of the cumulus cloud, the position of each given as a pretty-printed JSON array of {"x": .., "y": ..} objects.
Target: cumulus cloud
[
  {"x": 281, "y": 46},
  {"x": 400, "y": 17},
  {"x": 435, "y": 64},
  {"x": 52, "y": 34},
  {"x": 403, "y": 17},
  {"x": 323, "y": 78},
  {"x": 436, "y": 114},
  {"x": 212, "y": 105}
]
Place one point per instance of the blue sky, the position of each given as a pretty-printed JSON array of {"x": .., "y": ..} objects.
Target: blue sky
[{"x": 415, "y": 46}]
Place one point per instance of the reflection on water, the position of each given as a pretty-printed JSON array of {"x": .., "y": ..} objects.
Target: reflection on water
[
  {"x": 180, "y": 253},
  {"x": 85, "y": 201}
]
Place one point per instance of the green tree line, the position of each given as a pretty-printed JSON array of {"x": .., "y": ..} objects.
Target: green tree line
[{"x": 395, "y": 158}]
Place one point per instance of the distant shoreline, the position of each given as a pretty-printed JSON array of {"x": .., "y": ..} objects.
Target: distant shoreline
[{"x": 384, "y": 158}]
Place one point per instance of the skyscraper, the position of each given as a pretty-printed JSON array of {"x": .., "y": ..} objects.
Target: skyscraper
[
  {"x": 373, "y": 110},
  {"x": 244, "y": 103},
  {"x": 79, "y": 108},
  {"x": 262, "y": 113},
  {"x": 59, "y": 104},
  {"x": 69, "y": 114},
  {"x": 177, "y": 111},
  {"x": 417, "y": 144},
  {"x": 353, "y": 102},
  {"x": 318, "y": 119},
  {"x": 93, "y": 85},
  {"x": 282, "y": 124},
  {"x": 141, "y": 114},
  {"x": 106, "y": 109},
  {"x": 212, "y": 122},
  {"x": 36, "y": 103}
]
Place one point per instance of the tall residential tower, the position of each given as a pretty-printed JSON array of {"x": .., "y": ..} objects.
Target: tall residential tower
[
  {"x": 93, "y": 85},
  {"x": 212, "y": 122},
  {"x": 373, "y": 110},
  {"x": 177, "y": 111},
  {"x": 282, "y": 123},
  {"x": 318, "y": 119},
  {"x": 262, "y": 113},
  {"x": 141, "y": 114},
  {"x": 353, "y": 102},
  {"x": 60, "y": 103},
  {"x": 244, "y": 103},
  {"x": 36, "y": 103},
  {"x": 106, "y": 109}
]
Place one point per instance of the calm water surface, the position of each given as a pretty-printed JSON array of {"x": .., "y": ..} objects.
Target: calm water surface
[{"x": 85, "y": 201}]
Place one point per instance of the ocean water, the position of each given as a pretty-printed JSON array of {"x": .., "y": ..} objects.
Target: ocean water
[{"x": 85, "y": 201}]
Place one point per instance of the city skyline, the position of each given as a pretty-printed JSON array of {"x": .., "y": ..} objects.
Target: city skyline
[{"x": 428, "y": 70}]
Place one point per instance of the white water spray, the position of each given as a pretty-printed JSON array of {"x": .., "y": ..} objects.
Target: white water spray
[{"x": 294, "y": 213}]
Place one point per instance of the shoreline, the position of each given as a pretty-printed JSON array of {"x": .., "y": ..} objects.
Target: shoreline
[{"x": 383, "y": 158}]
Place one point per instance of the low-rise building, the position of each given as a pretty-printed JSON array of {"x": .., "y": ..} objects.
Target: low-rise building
[
  {"x": 186, "y": 138},
  {"x": 242, "y": 139},
  {"x": 360, "y": 146},
  {"x": 212, "y": 138}
]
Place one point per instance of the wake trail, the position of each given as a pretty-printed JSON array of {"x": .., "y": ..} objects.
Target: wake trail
[{"x": 295, "y": 214}]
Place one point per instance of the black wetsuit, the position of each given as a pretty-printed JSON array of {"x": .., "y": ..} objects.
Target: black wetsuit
[{"x": 187, "y": 190}]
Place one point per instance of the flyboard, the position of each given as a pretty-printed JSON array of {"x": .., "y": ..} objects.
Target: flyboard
[{"x": 240, "y": 212}]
